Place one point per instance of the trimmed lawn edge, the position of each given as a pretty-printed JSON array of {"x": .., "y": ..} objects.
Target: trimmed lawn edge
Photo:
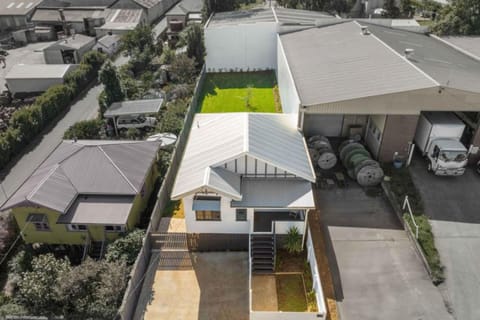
[{"x": 290, "y": 291}]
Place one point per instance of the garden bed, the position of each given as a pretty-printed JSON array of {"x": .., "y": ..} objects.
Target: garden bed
[
  {"x": 240, "y": 92},
  {"x": 291, "y": 293},
  {"x": 401, "y": 184}
]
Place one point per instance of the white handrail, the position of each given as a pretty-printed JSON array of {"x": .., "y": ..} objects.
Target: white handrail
[{"x": 406, "y": 204}]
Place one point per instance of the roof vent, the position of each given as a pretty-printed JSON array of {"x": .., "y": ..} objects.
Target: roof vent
[
  {"x": 409, "y": 53},
  {"x": 365, "y": 30}
]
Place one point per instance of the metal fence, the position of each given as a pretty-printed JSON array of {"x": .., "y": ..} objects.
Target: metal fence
[{"x": 143, "y": 262}]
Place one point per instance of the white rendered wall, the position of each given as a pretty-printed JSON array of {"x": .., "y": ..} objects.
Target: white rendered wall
[
  {"x": 228, "y": 224},
  {"x": 241, "y": 47},
  {"x": 286, "y": 85}
]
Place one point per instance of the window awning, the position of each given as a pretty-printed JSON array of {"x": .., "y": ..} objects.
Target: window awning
[{"x": 206, "y": 205}]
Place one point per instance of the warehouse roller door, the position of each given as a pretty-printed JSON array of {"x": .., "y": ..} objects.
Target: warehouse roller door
[{"x": 329, "y": 125}]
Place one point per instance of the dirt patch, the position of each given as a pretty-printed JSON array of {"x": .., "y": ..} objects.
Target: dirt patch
[{"x": 287, "y": 262}]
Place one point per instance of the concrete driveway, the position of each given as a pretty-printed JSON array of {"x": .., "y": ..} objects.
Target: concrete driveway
[
  {"x": 453, "y": 206},
  {"x": 204, "y": 286},
  {"x": 375, "y": 268}
]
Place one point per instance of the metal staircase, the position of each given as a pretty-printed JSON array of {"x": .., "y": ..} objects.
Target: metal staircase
[{"x": 262, "y": 250}]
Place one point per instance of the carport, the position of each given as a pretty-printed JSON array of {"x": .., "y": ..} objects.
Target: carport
[{"x": 132, "y": 108}]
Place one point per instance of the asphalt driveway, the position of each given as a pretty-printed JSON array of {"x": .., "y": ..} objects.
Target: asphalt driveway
[
  {"x": 453, "y": 207},
  {"x": 375, "y": 268}
]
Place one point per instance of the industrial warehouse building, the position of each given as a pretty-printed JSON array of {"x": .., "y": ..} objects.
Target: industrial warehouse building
[
  {"x": 15, "y": 14},
  {"x": 342, "y": 77}
]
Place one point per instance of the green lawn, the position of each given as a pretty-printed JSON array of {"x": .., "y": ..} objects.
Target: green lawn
[
  {"x": 240, "y": 92},
  {"x": 291, "y": 293}
]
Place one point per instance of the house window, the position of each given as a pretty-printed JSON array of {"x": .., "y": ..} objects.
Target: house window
[
  {"x": 114, "y": 228},
  {"x": 207, "y": 215},
  {"x": 207, "y": 208},
  {"x": 39, "y": 221},
  {"x": 241, "y": 214},
  {"x": 76, "y": 227}
]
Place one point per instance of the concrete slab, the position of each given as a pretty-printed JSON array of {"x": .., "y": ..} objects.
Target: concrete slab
[
  {"x": 214, "y": 287},
  {"x": 264, "y": 293},
  {"x": 172, "y": 225},
  {"x": 452, "y": 205},
  {"x": 377, "y": 273}
]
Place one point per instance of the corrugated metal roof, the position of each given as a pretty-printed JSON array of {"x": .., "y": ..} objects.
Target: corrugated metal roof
[
  {"x": 134, "y": 107},
  {"x": 276, "y": 194},
  {"x": 224, "y": 181},
  {"x": 122, "y": 19},
  {"x": 219, "y": 137},
  {"x": 76, "y": 168},
  {"x": 17, "y": 7},
  {"x": 104, "y": 210},
  {"x": 239, "y": 17},
  {"x": 109, "y": 40},
  {"x": 148, "y": 3},
  {"x": 447, "y": 66},
  {"x": 71, "y": 15},
  {"x": 38, "y": 71},
  {"x": 186, "y": 7},
  {"x": 338, "y": 62},
  {"x": 76, "y": 3},
  {"x": 296, "y": 16},
  {"x": 469, "y": 44},
  {"x": 73, "y": 42}
]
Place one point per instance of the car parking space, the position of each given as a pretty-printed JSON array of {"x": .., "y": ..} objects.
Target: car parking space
[
  {"x": 452, "y": 205},
  {"x": 203, "y": 286},
  {"x": 376, "y": 270}
]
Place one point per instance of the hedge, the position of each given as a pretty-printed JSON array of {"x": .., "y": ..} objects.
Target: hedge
[{"x": 29, "y": 121}]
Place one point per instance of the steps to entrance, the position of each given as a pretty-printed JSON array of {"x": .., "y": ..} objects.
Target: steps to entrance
[{"x": 262, "y": 250}]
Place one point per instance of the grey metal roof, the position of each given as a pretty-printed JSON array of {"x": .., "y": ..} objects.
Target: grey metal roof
[
  {"x": 76, "y": 3},
  {"x": 93, "y": 168},
  {"x": 134, "y": 107},
  {"x": 71, "y": 15},
  {"x": 216, "y": 138},
  {"x": 39, "y": 71},
  {"x": 77, "y": 41},
  {"x": 246, "y": 16},
  {"x": 185, "y": 7},
  {"x": 449, "y": 67},
  {"x": 276, "y": 194},
  {"x": 109, "y": 40},
  {"x": 304, "y": 17},
  {"x": 17, "y": 7},
  {"x": 338, "y": 62},
  {"x": 469, "y": 44},
  {"x": 148, "y": 3},
  {"x": 105, "y": 210}
]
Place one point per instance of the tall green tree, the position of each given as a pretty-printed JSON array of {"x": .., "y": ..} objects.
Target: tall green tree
[
  {"x": 113, "y": 91},
  {"x": 392, "y": 10},
  {"x": 192, "y": 37},
  {"x": 460, "y": 17},
  {"x": 211, "y": 6}
]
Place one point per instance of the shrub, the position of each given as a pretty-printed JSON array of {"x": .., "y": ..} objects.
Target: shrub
[
  {"x": 126, "y": 248},
  {"x": 79, "y": 78},
  {"x": 86, "y": 129},
  {"x": 53, "y": 101},
  {"x": 183, "y": 69},
  {"x": 293, "y": 241},
  {"x": 12, "y": 309},
  {"x": 132, "y": 133},
  {"x": 28, "y": 120},
  {"x": 94, "y": 58}
]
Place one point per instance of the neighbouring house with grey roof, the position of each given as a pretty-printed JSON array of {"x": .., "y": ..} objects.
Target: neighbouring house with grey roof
[
  {"x": 240, "y": 173},
  {"x": 69, "y": 50},
  {"x": 344, "y": 76},
  {"x": 85, "y": 192},
  {"x": 16, "y": 14},
  {"x": 153, "y": 9},
  {"x": 32, "y": 79},
  {"x": 185, "y": 12}
]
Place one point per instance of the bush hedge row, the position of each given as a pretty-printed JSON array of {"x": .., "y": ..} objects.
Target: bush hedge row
[{"x": 28, "y": 122}]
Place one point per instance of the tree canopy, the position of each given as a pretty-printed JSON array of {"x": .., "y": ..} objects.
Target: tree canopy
[{"x": 460, "y": 17}]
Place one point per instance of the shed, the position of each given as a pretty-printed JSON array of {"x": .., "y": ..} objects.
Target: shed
[
  {"x": 68, "y": 50},
  {"x": 15, "y": 14},
  {"x": 30, "y": 79},
  {"x": 108, "y": 44}
]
